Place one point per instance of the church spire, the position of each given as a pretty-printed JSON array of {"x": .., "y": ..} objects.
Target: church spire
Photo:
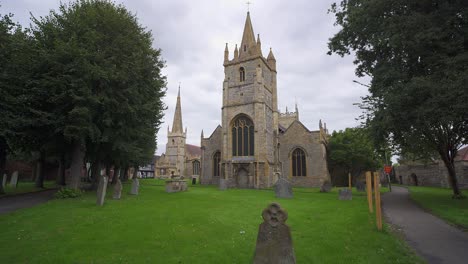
[
  {"x": 248, "y": 38},
  {"x": 177, "y": 124}
]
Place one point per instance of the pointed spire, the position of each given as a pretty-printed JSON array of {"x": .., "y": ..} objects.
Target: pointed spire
[
  {"x": 320, "y": 124},
  {"x": 271, "y": 60},
  {"x": 259, "y": 45},
  {"x": 226, "y": 53},
  {"x": 202, "y": 134},
  {"x": 236, "y": 53},
  {"x": 248, "y": 38},
  {"x": 177, "y": 124},
  {"x": 287, "y": 110},
  {"x": 297, "y": 111}
]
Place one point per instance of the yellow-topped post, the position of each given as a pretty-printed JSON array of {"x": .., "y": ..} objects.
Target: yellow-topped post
[
  {"x": 369, "y": 190},
  {"x": 349, "y": 180}
]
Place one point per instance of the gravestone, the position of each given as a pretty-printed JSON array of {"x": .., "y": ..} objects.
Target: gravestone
[
  {"x": 4, "y": 180},
  {"x": 274, "y": 241},
  {"x": 326, "y": 187},
  {"x": 176, "y": 185},
  {"x": 135, "y": 186},
  {"x": 117, "y": 190},
  {"x": 14, "y": 179},
  {"x": 345, "y": 194},
  {"x": 283, "y": 188},
  {"x": 360, "y": 186},
  {"x": 222, "y": 184},
  {"x": 101, "y": 191}
]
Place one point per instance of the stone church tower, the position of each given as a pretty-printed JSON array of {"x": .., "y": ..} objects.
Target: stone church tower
[{"x": 245, "y": 151}]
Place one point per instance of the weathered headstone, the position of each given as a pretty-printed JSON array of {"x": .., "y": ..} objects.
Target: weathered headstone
[
  {"x": 283, "y": 188},
  {"x": 117, "y": 190},
  {"x": 274, "y": 241},
  {"x": 101, "y": 191},
  {"x": 345, "y": 194},
  {"x": 14, "y": 179},
  {"x": 326, "y": 187},
  {"x": 222, "y": 184},
  {"x": 360, "y": 186},
  {"x": 4, "y": 180},
  {"x": 135, "y": 186}
]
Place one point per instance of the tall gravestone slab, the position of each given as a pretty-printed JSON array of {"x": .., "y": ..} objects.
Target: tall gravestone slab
[
  {"x": 117, "y": 190},
  {"x": 135, "y": 186},
  {"x": 274, "y": 241},
  {"x": 4, "y": 180},
  {"x": 283, "y": 188},
  {"x": 222, "y": 184},
  {"x": 101, "y": 191},
  {"x": 345, "y": 194},
  {"x": 14, "y": 179}
]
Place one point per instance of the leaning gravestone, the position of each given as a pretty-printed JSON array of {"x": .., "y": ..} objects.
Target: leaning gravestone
[
  {"x": 283, "y": 188},
  {"x": 360, "y": 186},
  {"x": 326, "y": 187},
  {"x": 345, "y": 194},
  {"x": 135, "y": 186},
  {"x": 117, "y": 190},
  {"x": 4, "y": 180},
  {"x": 14, "y": 179},
  {"x": 274, "y": 241},
  {"x": 101, "y": 191},
  {"x": 222, "y": 184}
]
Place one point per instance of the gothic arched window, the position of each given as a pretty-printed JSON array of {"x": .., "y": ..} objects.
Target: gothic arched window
[
  {"x": 298, "y": 163},
  {"x": 242, "y": 74},
  {"x": 242, "y": 136},
  {"x": 196, "y": 167},
  {"x": 216, "y": 164}
]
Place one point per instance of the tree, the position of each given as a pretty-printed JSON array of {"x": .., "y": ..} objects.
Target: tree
[
  {"x": 352, "y": 150},
  {"x": 416, "y": 53},
  {"x": 103, "y": 79}
]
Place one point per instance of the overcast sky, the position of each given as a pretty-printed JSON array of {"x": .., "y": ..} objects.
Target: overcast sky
[{"x": 192, "y": 36}]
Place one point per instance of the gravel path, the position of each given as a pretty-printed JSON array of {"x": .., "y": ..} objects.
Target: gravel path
[{"x": 11, "y": 203}]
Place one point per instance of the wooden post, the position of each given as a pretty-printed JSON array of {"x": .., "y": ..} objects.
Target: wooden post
[
  {"x": 378, "y": 209},
  {"x": 349, "y": 180},
  {"x": 369, "y": 190}
]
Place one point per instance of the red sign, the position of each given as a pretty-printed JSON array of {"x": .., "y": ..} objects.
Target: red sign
[{"x": 387, "y": 169}]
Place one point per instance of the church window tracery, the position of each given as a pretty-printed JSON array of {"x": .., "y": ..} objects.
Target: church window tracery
[
  {"x": 196, "y": 167},
  {"x": 242, "y": 74},
  {"x": 216, "y": 164},
  {"x": 298, "y": 163},
  {"x": 242, "y": 137}
]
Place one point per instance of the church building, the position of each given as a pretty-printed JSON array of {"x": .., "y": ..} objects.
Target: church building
[{"x": 255, "y": 143}]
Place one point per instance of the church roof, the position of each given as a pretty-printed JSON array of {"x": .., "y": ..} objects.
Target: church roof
[{"x": 193, "y": 150}]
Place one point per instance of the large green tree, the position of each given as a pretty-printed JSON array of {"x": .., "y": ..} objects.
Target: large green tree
[
  {"x": 352, "y": 150},
  {"x": 103, "y": 78},
  {"x": 416, "y": 53}
]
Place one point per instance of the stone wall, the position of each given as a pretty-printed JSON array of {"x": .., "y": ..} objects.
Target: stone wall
[
  {"x": 432, "y": 174},
  {"x": 209, "y": 147}
]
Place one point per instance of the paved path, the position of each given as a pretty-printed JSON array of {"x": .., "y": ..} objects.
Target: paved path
[
  {"x": 11, "y": 203},
  {"x": 432, "y": 238}
]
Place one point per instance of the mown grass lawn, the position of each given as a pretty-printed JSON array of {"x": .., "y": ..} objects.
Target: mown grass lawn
[
  {"x": 26, "y": 187},
  {"x": 202, "y": 225},
  {"x": 439, "y": 201}
]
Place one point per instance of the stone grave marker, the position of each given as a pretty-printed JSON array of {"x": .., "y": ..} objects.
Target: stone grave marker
[
  {"x": 117, "y": 190},
  {"x": 222, "y": 184},
  {"x": 326, "y": 187},
  {"x": 101, "y": 191},
  {"x": 283, "y": 188},
  {"x": 135, "y": 186},
  {"x": 14, "y": 179},
  {"x": 360, "y": 186},
  {"x": 4, "y": 180},
  {"x": 345, "y": 194},
  {"x": 274, "y": 241}
]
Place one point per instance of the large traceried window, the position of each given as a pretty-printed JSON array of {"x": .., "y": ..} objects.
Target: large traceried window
[
  {"x": 196, "y": 167},
  {"x": 242, "y": 74},
  {"x": 298, "y": 163},
  {"x": 216, "y": 164},
  {"x": 242, "y": 137}
]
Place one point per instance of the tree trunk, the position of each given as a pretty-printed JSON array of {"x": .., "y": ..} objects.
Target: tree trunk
[
  {"x": 39, "y": 182},
  {"x": 125, "y": 174},
  {"x": 95, "y": 174},
  {"x": 449, "y": 164},
  {"x": 2, "y": 167},
  {"x": 116, "y": 175},
  {"x": 61, "y": 171},
  {"x": 76, "y": 166}
]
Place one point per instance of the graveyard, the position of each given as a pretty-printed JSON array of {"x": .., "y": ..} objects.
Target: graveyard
[{"x": 200, "y": 225}]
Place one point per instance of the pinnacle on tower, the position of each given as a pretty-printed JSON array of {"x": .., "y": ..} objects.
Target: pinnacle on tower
[
  {"x": 248, "y": 38},
  {"x": 259, "y": 45},
  {"x": 236, "y": 53},
  {"x": 271, "y": 60},
  {"x": 226, "y": 53},
  {"x": 177, "y": 124}
]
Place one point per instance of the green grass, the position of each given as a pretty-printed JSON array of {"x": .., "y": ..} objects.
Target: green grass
[
  {"x": 202, "y": 225},
  {"x": 26, "y": 187},
  {"x": 439, "y": 201}
]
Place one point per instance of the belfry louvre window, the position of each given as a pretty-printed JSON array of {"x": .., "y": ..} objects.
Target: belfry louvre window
[
  {"x": 242, "y": 74},
  {"x": 298, "y": 161},
  {"x": 216, "y": 165},
  {"x": 242, "y": 137},
  {"x": 196, "y": 167}
]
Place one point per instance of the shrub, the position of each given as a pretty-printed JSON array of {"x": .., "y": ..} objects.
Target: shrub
[{"x": 67, "y": 193}]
